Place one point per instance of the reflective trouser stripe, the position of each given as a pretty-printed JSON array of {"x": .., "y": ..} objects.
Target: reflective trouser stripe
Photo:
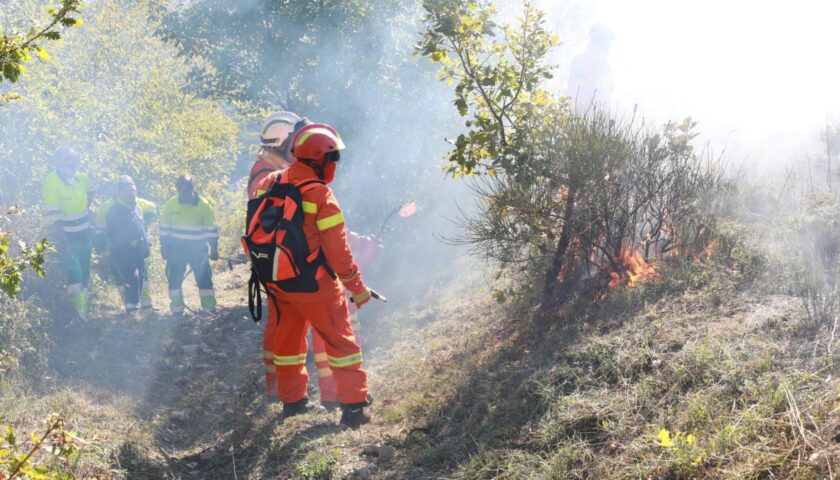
[
  {"x": 320, "y": 357},
  {"x": 176, "y": 301},
  {"x": 324, "y": 372},
  {"x": 290, "y": 360},
  {"x": 268, "y": 359},
  {"x": 208, "y": 297},
  {"x": 347, "y": 361}
]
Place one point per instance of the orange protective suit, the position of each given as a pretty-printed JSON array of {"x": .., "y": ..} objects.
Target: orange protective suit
[
  {"x": 365, "y": 248},
  {"x": 325, "y": 310},
  {"x": 267, "y": 163}
]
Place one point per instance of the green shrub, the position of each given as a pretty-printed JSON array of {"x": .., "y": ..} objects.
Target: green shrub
[{"x": 319, "y": 465}]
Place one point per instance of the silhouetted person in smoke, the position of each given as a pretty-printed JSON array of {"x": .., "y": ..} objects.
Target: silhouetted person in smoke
[
  {"x": 590, "y": 76},
  {"x": 129, "y": 244}
]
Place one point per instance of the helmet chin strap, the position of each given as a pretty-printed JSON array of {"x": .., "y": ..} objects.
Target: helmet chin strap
[{"x": 319, "y": 169}]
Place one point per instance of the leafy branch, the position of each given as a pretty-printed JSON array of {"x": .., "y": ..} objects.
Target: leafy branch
[
  {"x": 12, "y": 268},
  {"x": 17, "y": 49},
  {"x": 16, "y": 461}
]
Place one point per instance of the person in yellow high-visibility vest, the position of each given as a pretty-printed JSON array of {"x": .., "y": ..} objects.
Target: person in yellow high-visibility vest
[
  {"x": 66, "y": 196},
  {"x": 187, "y": 231}
]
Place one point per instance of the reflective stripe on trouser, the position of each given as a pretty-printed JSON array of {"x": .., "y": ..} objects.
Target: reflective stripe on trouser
[
  {"x": 176, "y": 268},
  {"x": 326, "y": 379},
  {"x": 208, "y": 298},
  {"x": 176, "y": 301},
  {"x": 271, "y": 385},
  {"x": 79, "y": 298},
  {"x": 75, "y": 263},
  {"x": 329, "y": 318}
]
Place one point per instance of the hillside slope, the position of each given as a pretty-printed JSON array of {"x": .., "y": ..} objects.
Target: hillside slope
[{"x": 671, "y": 379}]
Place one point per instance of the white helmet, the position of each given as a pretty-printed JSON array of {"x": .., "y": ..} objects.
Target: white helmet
[{"x": 277, "y": 128}]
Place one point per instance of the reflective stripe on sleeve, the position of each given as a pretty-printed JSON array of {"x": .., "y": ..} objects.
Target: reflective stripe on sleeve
[
  {"x": 309, "y": 207},
  {"x": 331, "y": 221},
  {"x": 350, "y": 278}
]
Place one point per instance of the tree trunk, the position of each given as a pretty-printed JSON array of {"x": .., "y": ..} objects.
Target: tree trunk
[{"x": 562, "y": 247}]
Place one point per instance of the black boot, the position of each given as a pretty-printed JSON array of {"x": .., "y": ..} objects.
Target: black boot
[
  {"x": 297, "y": 408},
  {"x": 353, "y": 415}
]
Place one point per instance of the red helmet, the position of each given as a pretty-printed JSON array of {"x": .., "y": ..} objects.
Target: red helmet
[{"x": 315, "y": 141}]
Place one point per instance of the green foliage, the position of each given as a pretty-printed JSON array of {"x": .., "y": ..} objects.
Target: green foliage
[
  {"x": 319, "y": 465},
  {"x": 121, "y": 96},
  {"x": 12, "y": 268},
  {"x": 570, "y": 196},
  {"x": 17, "y": 48},
  {"x": 49, "y": 456},
  {"x": 499, "y": 71}
]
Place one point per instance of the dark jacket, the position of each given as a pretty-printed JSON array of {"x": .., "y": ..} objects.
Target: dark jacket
[{"x": 127, "y": 232}]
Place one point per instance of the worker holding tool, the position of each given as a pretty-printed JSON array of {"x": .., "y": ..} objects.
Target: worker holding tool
[
  {"x": 316, "y": 148},
  {"x": 365, "y": 248},
  {"x": 187, "y": 230},
  {"x": 67, "y": 194},
  {"x": 148, "y": 213}
]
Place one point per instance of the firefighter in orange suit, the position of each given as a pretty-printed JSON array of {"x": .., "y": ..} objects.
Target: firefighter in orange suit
[
  {"x": 274, "y": 155},
  {"x": 316, "y": 148},
  {"x": 365, "y": 248}
]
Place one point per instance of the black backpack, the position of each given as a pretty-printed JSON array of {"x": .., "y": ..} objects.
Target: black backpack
[{"x": 276, "y": 246}]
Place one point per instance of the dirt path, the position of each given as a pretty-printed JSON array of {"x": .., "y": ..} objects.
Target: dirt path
[{"x": 196, "y": 384}]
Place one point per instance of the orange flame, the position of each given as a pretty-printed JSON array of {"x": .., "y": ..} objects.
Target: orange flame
[{"x": 633, "y": 269}]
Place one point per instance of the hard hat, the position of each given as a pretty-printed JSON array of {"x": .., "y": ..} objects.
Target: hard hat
[
  {"x": 277, "y": 128},
  {"x": 316, "y": 141}
]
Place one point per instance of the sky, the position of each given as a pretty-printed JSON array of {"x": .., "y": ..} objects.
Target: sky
[{"x": 755, "y": 74}]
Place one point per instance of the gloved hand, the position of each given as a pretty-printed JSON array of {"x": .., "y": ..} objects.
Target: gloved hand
[
  {"x": 362, "y": 298},
  {"x": 361, "y": 294}
]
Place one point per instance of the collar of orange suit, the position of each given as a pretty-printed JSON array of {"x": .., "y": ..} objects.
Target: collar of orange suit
[
  {"x": 272, "y": 158},
  {"x": 301, "y": 168}
]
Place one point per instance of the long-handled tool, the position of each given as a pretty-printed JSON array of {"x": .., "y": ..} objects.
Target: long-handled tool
[
  {"x": 405, "y": 210},
  {"x": 376, "y": 295}
]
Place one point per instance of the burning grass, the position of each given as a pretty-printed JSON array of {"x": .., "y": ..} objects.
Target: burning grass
[{"x": 696, "y": 375}]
